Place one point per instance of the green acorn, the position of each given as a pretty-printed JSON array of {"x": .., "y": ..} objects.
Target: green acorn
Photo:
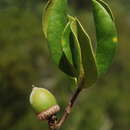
[{"x": 43, "y": 103}]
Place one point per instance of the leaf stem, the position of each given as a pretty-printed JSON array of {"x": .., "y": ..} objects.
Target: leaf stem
[{"x": 58, "y": 124}]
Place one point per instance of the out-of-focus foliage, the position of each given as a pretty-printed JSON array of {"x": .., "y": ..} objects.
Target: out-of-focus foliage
[{"x": 24, "y": 60}]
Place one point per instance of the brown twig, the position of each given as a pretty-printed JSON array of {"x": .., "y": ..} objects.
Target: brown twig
[
  {"x": 58, "y": 124},
  {"x": 52, "y": 122}
]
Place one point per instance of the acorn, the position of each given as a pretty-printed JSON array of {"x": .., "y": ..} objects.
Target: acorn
[{"x": 43, "y": 103}]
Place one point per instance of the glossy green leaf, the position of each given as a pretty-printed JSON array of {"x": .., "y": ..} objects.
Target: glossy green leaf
[
  {"x": 88, "y": 57},
  {"x": 106, "y": 6},
  {"x": 54, "y": 22},
  {"x": 106, "y": 35},
  {"x": 75, "y": 47},
  {"x": 67, "y": 54},
  {"x": 86, "y": 63},
  {"x": 65, "y": 40}
]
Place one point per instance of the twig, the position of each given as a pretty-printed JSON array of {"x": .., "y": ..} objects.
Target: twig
[
  {"x": 58, "y": 124},
  {"x": 52, "y": 122}
]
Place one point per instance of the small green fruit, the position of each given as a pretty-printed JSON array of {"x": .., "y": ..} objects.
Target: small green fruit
[{"x": 43, "y": 102}]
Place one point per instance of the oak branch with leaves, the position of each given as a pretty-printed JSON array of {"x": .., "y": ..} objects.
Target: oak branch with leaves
[{"x": 72, "y": 51}]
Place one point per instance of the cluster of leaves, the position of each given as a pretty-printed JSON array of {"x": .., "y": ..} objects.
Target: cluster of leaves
[{"x": 70, "y": 45}]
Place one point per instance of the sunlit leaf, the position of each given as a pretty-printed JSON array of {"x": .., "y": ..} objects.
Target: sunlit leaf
[{"x": 106, "y": 36}]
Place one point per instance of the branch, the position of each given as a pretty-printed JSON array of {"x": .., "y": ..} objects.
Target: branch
[
  {"x": 58, "y": 124},
  {"x": 52, "y": 122}
]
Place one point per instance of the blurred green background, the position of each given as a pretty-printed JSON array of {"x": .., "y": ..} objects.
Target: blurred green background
[{"x": 25, "y": 60}]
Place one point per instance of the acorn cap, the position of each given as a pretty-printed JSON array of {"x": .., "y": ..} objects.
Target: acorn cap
[
  {"x": 48, "y": 113},
  {"x": 43, "y": 103}
]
